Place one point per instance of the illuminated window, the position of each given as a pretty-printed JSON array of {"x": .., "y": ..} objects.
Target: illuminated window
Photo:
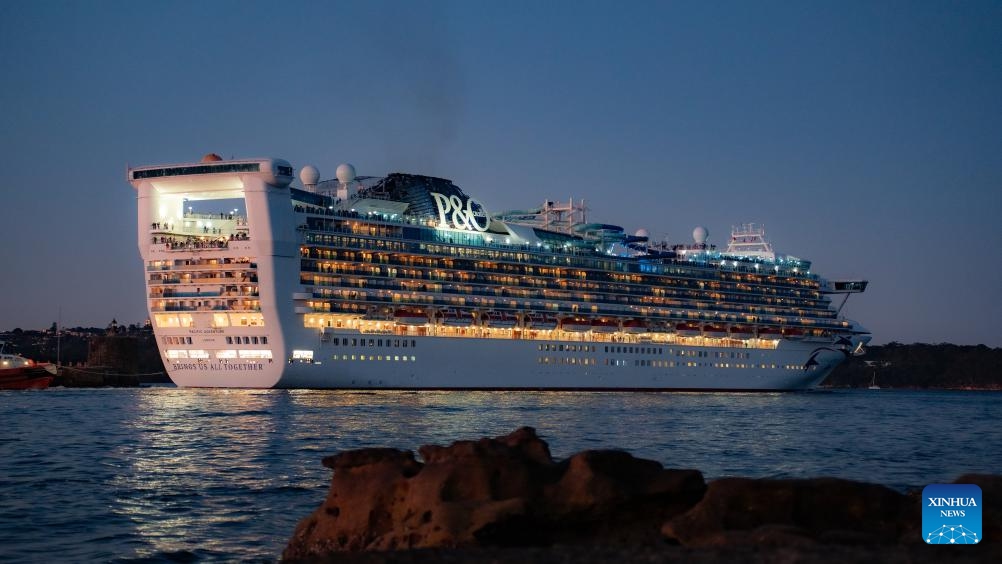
[
  {"x": 247, "y": 319},
  {"x": 226, "y": 354},
  {"x": 263, "y": 354},
  {"x": 165, "y": 320}
]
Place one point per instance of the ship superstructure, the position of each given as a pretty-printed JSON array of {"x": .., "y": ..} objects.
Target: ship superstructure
[{"x": 405, "y": 281}]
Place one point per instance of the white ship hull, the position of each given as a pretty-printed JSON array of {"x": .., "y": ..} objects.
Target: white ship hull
[{"x": 498, "y": 364}]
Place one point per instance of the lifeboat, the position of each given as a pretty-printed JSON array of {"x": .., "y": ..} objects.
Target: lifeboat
[
  {"x": 540, "y": 321},
  {"x": 455, "y": 318},
  {"x": 769, "y": 332},
  {"x": 818, "y": 335},
  {"x": 501, "y": 320},
  {"x": 715, "y": 331},
  {"x": 662, "y": 327},
  {"x": 576, "y": 324},
  {"x": 742, "y": 332},
  {"x": 378, "y": 315},
  {"x": 634, "y": 326},
  {"x": 605, "y": 325},
  {"x": 793, "y": 333},
  {"x": 688, "y": 329},
  {"x": 410, "y": 316}
]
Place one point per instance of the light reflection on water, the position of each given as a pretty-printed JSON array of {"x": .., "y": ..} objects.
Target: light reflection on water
[{"x": 165, "y": 473}]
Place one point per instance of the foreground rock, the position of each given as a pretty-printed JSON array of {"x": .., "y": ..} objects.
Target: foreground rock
[
  {"x": 742, "y": 511},
  {"x": 506, "y": 491},
  {"x": 507, "y": 500}
]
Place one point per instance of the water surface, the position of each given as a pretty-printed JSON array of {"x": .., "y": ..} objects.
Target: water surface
[{"x": 177, "y": 474}]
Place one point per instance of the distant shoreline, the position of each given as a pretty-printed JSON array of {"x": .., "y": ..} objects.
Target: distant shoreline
[{"x": 916, "y": 388}]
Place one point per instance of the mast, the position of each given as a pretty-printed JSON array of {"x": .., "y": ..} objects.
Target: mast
[{"x": 59, "y": 337}]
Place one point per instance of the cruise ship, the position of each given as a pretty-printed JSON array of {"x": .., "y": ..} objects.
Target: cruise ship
[{"x": 407, "y": 282}]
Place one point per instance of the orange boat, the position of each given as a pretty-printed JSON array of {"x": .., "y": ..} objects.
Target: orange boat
[
  {"x": 19, "y": 373},
  {"x": 605, "y": 325},
  {"x": 688, "y": 329},
  {"x": 635, "y": 326}
]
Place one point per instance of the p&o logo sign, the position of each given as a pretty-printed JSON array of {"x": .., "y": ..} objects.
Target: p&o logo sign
[
  {"x": 951, "y": 514},
  {"x": 468, "y": 215}
]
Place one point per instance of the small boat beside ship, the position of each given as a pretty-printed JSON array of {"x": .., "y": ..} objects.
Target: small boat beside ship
[{"x": 19, "y": 373}]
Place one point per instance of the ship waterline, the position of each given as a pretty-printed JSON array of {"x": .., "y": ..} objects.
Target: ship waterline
[{"x": 405, "y": 282}]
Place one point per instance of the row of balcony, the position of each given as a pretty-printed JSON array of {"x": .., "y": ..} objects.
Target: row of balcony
[
  {"x": 363, "y": 302},
  {"x": 627, "y": 293},
  {"x": 550, "y": 254},
  {"x": 591, "y": 273}
]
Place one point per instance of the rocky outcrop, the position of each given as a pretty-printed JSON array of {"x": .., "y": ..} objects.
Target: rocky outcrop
[
  {"x": 506, "y": 491},
  {"x": 504, "y": 499},
  {"x": 742, "y": 511}
]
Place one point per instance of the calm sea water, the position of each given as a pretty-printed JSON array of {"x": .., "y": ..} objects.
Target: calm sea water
[{"x": 166, "y": 474}]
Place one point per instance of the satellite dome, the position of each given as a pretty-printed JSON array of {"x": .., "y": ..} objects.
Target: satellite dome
[
  {"x": 309, "y": 175},
  {"x": 211, "y": 158},
  {"x": 642, "y": 233},
  {"x": 700, "y": 234},
  {"x": 345, "y": 173}
]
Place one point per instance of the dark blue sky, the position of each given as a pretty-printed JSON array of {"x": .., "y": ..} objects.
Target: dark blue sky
[{"x": 866, "y": 136}]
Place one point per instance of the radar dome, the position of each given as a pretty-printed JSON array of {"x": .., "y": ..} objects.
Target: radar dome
[
  {"x": 345, "y": 173},
  {"x": 309, "y": 175},
  {"x": 700, "y": 234},
  {"x": 643, "y": 233},
  {"x": 211, "y": 158}
]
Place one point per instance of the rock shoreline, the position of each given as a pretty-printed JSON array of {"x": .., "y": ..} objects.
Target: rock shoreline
[{"x": 507, "y": 500}]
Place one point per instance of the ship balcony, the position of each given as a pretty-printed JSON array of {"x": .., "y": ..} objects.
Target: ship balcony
[
  {"x": 304, "y": 309},
  {"x": 190, "y": 246},
  {"x": 203, "y": 308},
  {"x": 205, "y": 280},
  {"x": 218, "y": 266},
  {"x": 223, "y": 223},
  {"x": 205, "y": 294},
  {"x": 302, "y": 295},
  {"x": 188, "y": 295}
]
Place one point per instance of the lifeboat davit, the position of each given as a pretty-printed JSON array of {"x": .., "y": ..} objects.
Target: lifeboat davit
[
  {"x": 501, "y": 320},
  {"x": 742, "y": 332},
  {"x": 605, "y": 325},
  {"x": 378, "y": 315},
  {"x": 688, "y": 329},
  {"x": 540, "y": 321},
  {"x": 819, "y": 335},
  {"x": 715, "y": 331},
  {"x": 634, "y": 326},
  {"x": 793, "y": 333},
  {"x": 662, "y": 327},
  {"x": 454, "y": 318},
  {"x": 410, "y": 316},
  {"x": 576, "y": 324}
]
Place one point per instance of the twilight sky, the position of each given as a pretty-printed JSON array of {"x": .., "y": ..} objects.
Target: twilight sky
[{"x": 866, "y": 136}]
